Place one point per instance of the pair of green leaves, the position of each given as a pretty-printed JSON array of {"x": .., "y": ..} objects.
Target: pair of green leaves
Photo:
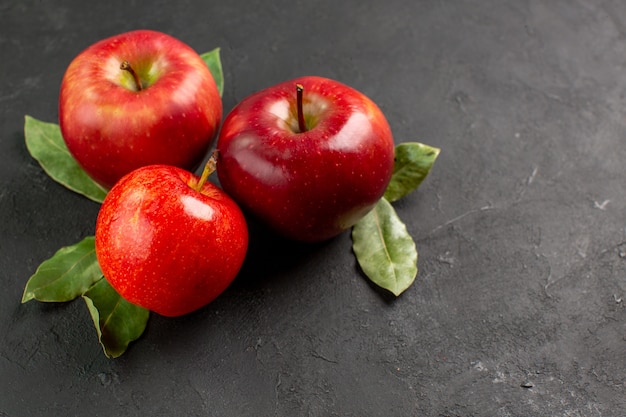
[
  {"x": 73, "y": 271},
  {"x": 383, "y": 247}
]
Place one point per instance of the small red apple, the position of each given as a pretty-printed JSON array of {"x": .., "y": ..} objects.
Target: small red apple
[
  {"x": 135, "y": 99},
  {"x": 310, "y": 156},
  {"x": 169, "y": 241}
]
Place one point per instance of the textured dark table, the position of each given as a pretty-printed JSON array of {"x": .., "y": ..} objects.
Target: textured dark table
[{"x": 519, "y": 306}]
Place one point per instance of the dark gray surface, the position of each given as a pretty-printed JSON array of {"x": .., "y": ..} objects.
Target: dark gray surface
[{"x": 518, "y": 309}]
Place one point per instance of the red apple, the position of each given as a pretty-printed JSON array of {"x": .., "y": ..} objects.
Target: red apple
[
  {"x": 135, "y": 99},
  {"x": 169, "y": 241},
  {"x": 310, "y": 156}
]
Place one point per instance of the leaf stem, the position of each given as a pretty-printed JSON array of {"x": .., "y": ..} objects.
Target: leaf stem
[
  {"x": 209, "y": 168},
  {"x": 301, "y": 123},
  {"x": 125, "y": 66}
]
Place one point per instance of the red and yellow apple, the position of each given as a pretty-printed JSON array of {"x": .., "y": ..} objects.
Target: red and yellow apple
[
  {"x": 135, "y": 99},
  {"x": 169, "y": 241}
]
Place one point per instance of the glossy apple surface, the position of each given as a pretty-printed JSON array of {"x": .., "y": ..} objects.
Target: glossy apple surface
[
  {"x": 311, "y": 184},
  {"x": 111, "y": 127},
  {"x": 165, "y": 246}
]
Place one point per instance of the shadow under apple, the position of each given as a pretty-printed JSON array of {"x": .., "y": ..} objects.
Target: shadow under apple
[{"x": 271, "y": 256}]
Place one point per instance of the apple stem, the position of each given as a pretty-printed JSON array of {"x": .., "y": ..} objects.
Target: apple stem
[
  {"x": 301, "y": 122},
  {"x": 125, "y": 66},
  {"x": 209, "y": 168}
]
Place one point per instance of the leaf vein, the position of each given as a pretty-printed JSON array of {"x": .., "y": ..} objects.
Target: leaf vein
[
  {"x": 117, "y": 304},
  {"x": 384, "y": 244},
  {"x": 67, "y": 271}
]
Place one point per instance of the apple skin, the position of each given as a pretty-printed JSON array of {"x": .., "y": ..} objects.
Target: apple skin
[
  {"x": 308, "y": 186},
  {"x": 166, "y": 247},
  {"x": 111, "y": 128}
]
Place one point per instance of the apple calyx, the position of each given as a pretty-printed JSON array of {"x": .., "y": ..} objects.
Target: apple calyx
[
  {"x": 125, "y": 66},
  {"x": 301, "y": 122},
  {"x": 209, "y": 168}
]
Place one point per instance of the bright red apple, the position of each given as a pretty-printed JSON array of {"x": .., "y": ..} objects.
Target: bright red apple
[
  {"x": 135, "y": 99},
  {"x": 310, "y": 156},
  {"x": 169, "y": 241}
]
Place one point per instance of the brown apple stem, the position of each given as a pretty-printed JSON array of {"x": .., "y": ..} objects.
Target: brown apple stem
[
  {"x": 301, "y": 123},
  {"x": 125, "y": 66},
  {"x": 209, "y": 168}
]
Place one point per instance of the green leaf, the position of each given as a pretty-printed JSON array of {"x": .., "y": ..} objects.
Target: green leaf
[
  {"x": 412, "y": 164},
  {"x": 384, "y": 249},
  {"x": 212, "y": 60},
  {"x": 117, "y": 321},
  {"x": 45, "y": 143},
  {"x": 66, "y": 275}
]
